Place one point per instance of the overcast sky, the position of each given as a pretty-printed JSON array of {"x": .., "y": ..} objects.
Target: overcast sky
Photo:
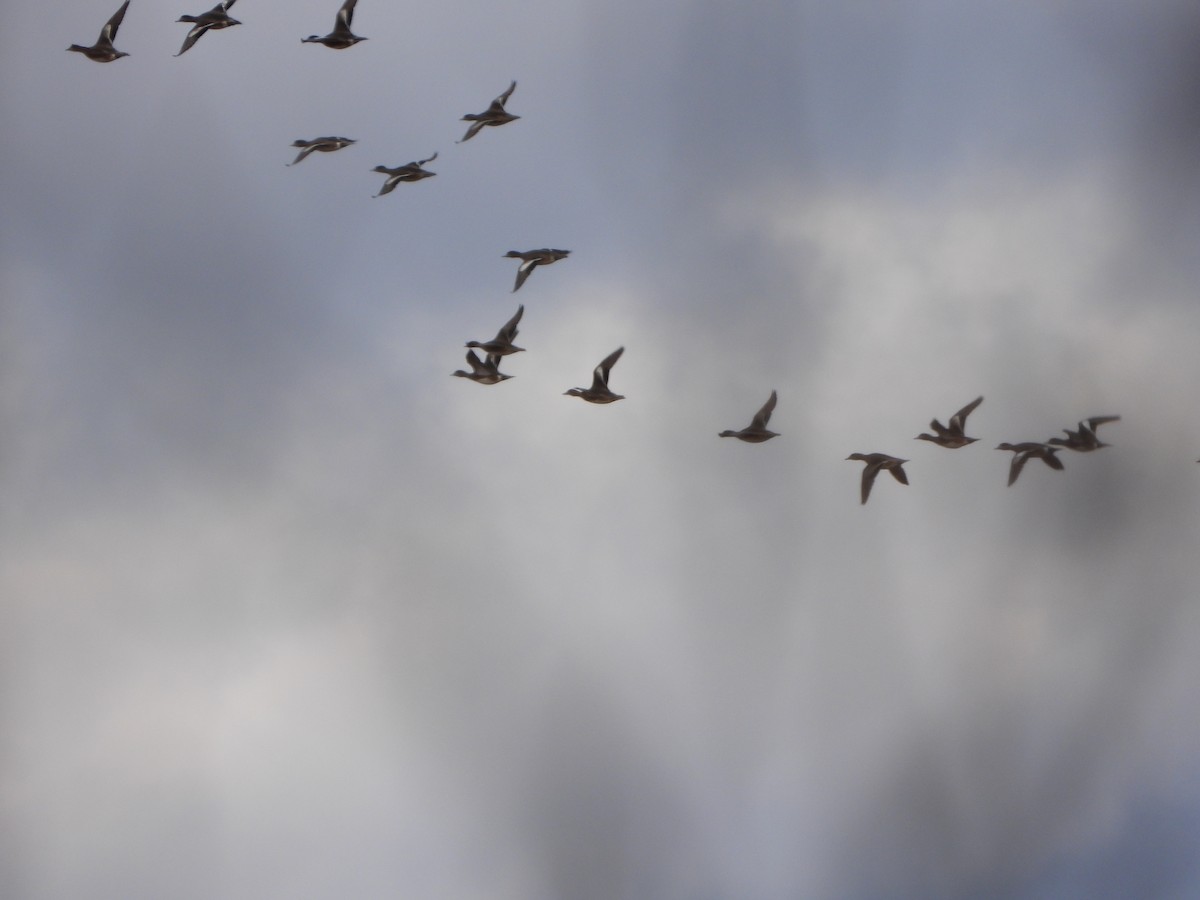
[{"x": 288, "y": 612}]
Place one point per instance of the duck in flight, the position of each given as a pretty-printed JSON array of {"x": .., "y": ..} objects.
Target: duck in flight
[
  {"x": 502, "y": 343},
  {"x": 1027, "y": 450},
  {"x": 485, "y": 371},
  {"x": 877, "y": 462},
  {"x": 493, "y": 115},
  {"x": 410, "y": 172},
  {"x": 599, "y": 391},
  {"x": 320, "y": 144},
  {"x": 531, "y": 259},
  {"x": 1084, "y": 440},
  {"x": 952, "y": 435},
  {"x": 341, "y": 37},
  {"x": 756, "y": 432},
  {"x": 214, "y": 20},
  {"x": 103, "y": 50}
]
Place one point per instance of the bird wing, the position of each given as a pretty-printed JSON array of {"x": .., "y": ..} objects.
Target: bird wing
[
  {"x": 472, "y": 131},
  {"x": 194, "y": 35},
  {"x": 898, "y": 473},
  {"x": 600, "y": 376},
  {"x": 959, "y": 419},
  {"x": 422, "y": 162},
  {"x": 309, "y": 147},
  {"x": 763, "y": 416},
  {"x": 509, "y": 331},
  {"x": 1096, "y": 421},
  {"x": 346, "y": 14},
  {"x": 474, "y": 361},
  {"x": 868, "y": 479},
  {"x": 498, "y": 103},
  {"x": 109, "y": 31},
  {"x": 1015, "y": 467},
  {"x": 524, "y": 271}
]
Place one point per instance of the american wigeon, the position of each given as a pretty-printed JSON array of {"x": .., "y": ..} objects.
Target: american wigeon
[
  {"x": 599, "y": 392},
  {"x": 103, "y": 50},
  {"x": 877, "y": 462},
  {"x": 502, "y": 343},
  {"x": 953, "y": 434},
  {"x": 493, "y": 115},
  {"x": 531, "y": 259},
  {"x": 409, "y": 172},
  {"x": 756, "y": 432},
  {"x": 341, "y": 37},
  {"x": 214, "y": 20}
]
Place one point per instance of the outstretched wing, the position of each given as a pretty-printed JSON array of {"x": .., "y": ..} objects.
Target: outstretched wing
[
  {"x": 600, "y": 375},
  {"x": 868, "y": 479},
  {"x": 763, "y": 416},
  {"x": 509, "y": 332},
  {"x": 1015, "y": 467},
  {"x": 524, "y": 271},
  {"x": 194, "y": 35},
  {"x": 109, "y": 31},
  {"x": 345, "y": 15},
  {"x": 959, "y": 419},
  {"x": 498, "y": 103},
  {"x": 472, "y": 131}
]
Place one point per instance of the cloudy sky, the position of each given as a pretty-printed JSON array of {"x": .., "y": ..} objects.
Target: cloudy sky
[{"x": 288, "y": 612}]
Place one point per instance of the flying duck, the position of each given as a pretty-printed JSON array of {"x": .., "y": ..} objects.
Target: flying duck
[
  {"x": 410, "y": 172},
  {"x": 103, "y": 50},
  {"x": 341, "y": 37},
  {"x": 215, "y": 19},
  {"x": 1027, "y": 450},
  {"x": 493, "y": 115},
  {"x": 952, "y": 435},
  {"x": 485, "y": 371},
  {"x": 756, "y": 432},
  {"x": 322, "y": 144},
  {"x": 876, "y": 462},
  {"x": 599, "y": 392},
  {"x": 1084, "y": 440},
  {"x": 532, "y": 259},
  {"x": 502, "y": 343}
]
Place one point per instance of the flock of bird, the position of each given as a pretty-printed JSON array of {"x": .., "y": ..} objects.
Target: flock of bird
[
  {"x": 214, "y": 20},
  {"x": 953, "y": 436},
  {"x": 486, "y": 369}
]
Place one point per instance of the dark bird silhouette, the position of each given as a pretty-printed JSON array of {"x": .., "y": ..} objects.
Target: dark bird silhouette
[
  {"x": 953, "y": 434},
  {"x": 531, "y": 259},
  {"x": 485, "y": 371},
  {"x": 502, "y": 343},
  {"x": 599, "y": 392},
  {"x": 341, "y": 37},
  {"x": 214, "y": 20},
  {"x": 103, "y": 50},
  {"x": 1084, "y": 440},
  {"x": 756, "y": 432},
  {"x": 321, "y": 145},
  {"x": 877, "y": 462},
  {"x": 410, "y": 172},
  {"x": 1025, "y": 451},
  {"x": 493, "y": 115}
]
